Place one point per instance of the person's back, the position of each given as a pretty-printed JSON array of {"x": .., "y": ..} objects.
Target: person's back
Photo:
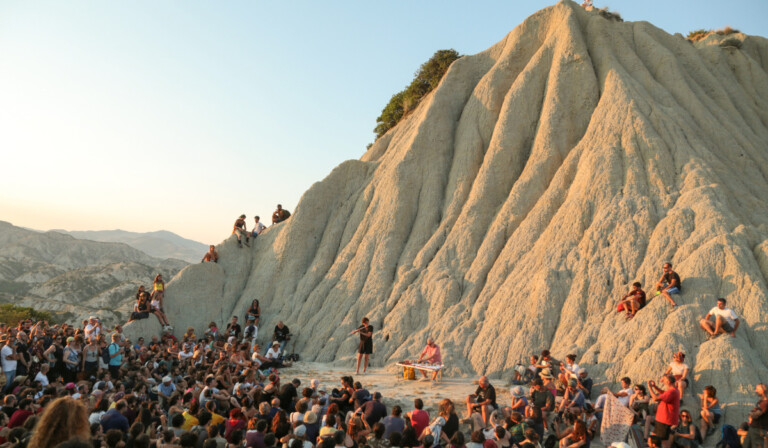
[
  {"x": 374, "y": 411},
  {"x": 419, "y": 417}
]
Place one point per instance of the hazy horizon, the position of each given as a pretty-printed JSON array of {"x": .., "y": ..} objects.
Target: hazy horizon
[{"x": 149, "y": 116}]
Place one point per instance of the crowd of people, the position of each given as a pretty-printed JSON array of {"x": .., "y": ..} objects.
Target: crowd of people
[{"x": 88, "y": 386}]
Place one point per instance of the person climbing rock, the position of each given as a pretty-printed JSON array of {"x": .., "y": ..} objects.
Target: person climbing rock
[{"x": 240, "y": 230}]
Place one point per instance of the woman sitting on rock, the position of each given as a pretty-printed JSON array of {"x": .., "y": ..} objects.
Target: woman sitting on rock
[
  {"x": 679, "y": 369},
  {"x": 255, "y": 311},
  {"x": 710, "y": 411},
  {"x": 639, "y": 403}
]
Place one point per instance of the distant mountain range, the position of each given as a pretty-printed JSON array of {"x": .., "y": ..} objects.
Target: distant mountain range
[
  {"x": 160, "y": 244},
  {"x": 72, "y": 277}
]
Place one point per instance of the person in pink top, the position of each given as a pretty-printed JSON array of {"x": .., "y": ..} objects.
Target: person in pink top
[
  {"x": 668, "y": 408},
  {"x": 431, "y": 355}
]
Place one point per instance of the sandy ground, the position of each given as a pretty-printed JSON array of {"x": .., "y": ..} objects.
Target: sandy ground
[{"x": 394, "y": 389}]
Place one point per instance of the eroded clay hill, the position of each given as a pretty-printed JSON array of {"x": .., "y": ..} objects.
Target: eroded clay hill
[{"x": 517, "y": 203}]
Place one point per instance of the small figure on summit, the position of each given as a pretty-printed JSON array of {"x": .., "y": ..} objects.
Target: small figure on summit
[
  {"x": 211, "y": 255},
  {"x": 240, "y": 230},
  {"x": 280, "y": 214},
  {"x": 669, "y": 284}
]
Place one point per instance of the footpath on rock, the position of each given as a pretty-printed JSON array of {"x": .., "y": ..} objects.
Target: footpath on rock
[{"x": 524, "y": 195}]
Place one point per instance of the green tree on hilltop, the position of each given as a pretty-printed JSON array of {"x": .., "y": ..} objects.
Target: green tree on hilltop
[{"x": 424, "y": 81}]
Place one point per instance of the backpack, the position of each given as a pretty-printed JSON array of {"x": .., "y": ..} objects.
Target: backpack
[
  {"x": 105, "y": 356},
  {"x": 729, "y": 438}
]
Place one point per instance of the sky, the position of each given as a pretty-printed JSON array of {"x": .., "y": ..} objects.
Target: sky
[{"x": 181, "y": 115}]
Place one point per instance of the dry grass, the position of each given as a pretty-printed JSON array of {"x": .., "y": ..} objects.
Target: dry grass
[{"x": 697, "y": 35}]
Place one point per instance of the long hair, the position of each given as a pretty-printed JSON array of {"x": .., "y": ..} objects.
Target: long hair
[{"x": 62, "y": 420}]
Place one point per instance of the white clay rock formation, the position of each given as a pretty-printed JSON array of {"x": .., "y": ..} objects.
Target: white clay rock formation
[{"x": 520, "y": 200}]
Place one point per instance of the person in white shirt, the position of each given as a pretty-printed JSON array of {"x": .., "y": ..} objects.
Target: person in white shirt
[
  {"x": 258, "y": 227},
  {"x": 8, "y": 356},
  {"x": 725, "y": 321},
  {"x": 274, "y": 352},
  {"x": 626, "y": 391},
  {"x": 569, "y": 369},
  {"x": 93, "y": 328}
]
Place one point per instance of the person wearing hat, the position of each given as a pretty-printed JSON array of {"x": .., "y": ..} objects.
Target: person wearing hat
[
  {"x": 240, "y": 230},
  {"x": 519, "y": 402},
  {"x": 299, "y": 433},
  {"x": 165, "y": 390},
  {"x": 312, "y": 425},
  {"x": 547, "y": 378},
  {"x": 573, "y": 399},
  {"x": 585, "y": 383},
  {"x": 280, "y": 215}
]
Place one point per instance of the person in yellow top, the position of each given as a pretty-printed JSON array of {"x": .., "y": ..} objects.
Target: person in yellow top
[
  {"x": 158, "y": 288},
  {"x": 210, "y": 406},
  {"x": 189, "y": 416}
]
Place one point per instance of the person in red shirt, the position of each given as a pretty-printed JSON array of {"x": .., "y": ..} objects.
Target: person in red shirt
[
  {"x": 419, "y": 417},
  {"x": 668, "y": 409},
  {"x": 22, "y": 414}
]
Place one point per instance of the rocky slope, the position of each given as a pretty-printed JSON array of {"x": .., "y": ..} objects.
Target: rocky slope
[
  {"x": 74, "y": 278},
  {"x": 521, "y": 198},
  {"x": 160, "y": 244}
]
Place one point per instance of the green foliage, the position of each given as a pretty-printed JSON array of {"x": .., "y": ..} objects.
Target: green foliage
[
  {"x": 12, "y": 314},
  {"x": 425, "y": 80}
]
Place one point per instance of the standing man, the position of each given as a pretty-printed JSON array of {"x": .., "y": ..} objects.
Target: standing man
[
  {"x": 726, "y": 321},
  {"x": 280, "y": 214},
  {"x": 667, "y": 410},
  {"x": 258, "y": 227},
  {"x": 366, "y": 344},
  {"x": 115, "y": 356},
  {"x": 669, "y": 284},
  {"x": 483, "y": 400},
  {"x": 241, "y": 230},
  {"x": 9, "y": 357},
  {"x": 430, "y": 354},
  {"x": 758, "y": 426}
]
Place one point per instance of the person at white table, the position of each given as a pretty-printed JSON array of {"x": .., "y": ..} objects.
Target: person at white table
[{"x": 430, "y": 354}]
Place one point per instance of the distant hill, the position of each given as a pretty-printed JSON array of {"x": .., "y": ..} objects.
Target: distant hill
[
  {"x": 161, "y": 244},
  {"x": 74, "y": 278}
]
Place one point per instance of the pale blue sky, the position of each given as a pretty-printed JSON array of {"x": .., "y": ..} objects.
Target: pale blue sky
[{"x": 180, "y": 115}]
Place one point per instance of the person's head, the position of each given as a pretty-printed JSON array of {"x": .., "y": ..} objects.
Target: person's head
[
  {"x": 678, "y": 357},
  {"x": 242, "y": 216},
  {"x": 114, "y": 436},
  {"x": 636, "y": 286},
  {"x": 500, "y": 432},
  {"x": 445, "y": 408},
  {"x": 710, "y": 391},
  {"x": 395, "y": 439},
  {"x": 668, "y": 380},
  {"x": 667, "y": 267},
  {"x": 545, "y": 354},
  {"x": 516, "y": 417},
  {"x": 418, "y": 404},
  {"x": 537, "y": 384},
  {"x": 570, "y": 358},
  {"x": 721, "y": 303},
  {"x": 483, "y": 382},
  {"x": 626, "y": 382},
  {"x": 428, "y": 441},
  {"x": 234, "y": 319},
  {"x": 365, "y": 321},
  {"x": 211, "y": 248},
  {"x": 397, "y": 411},
  {"x": 236, "y": 438},
  {"x": 761, "y": 389},
  {"x": 685, "y": 416},
  {"x": 430, "y": 342},
  {"x": 279, "y": 207},
  {"x": 458, "y": 439},
  {"x": 534, "y": 359},
  {"x": 378, "y": 430},
  {"x": 270, "y": 440},
  {"x": 63, "y": 419},
  {"x": 640, "y": 389},
  {"x": 477, "y": 437},
  {"x": 338, "y": 437}
]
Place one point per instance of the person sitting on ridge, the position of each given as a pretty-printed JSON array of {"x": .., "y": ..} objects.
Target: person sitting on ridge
[
  {"x": 258, "y": 227},
  {"x": 240, "y": 230},
  {"x": 634, "y": 300},
  {"x": 726, "y": 321},
  {"x": 669, "y": 284},
  {"x": 280, "y": 214},
  {"x": 211, "y": 255}
]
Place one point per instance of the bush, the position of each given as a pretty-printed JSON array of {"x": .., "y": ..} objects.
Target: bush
[
  {"x": 12, "y": 314},
  {"x": 726, "y": 31},
  {"x": 610, "y": 15},
  {"x": 425, "y": 80},
  {"x": 731, "y": 42}
]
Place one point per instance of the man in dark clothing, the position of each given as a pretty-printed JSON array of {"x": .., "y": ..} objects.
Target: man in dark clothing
[
  {"x": 758, "y": 427},
  {"x": 281, "y": 334},
  {"x": 234, "y": 329},
  {"x": 288, "y": 395},
  {"x": 669, "y": 284},
  {"x": 114, "y": 418},
  {"x": 483, "y": 400},
  {"x": 374, "y": 410},
  {"x": 541, "y": 398},
  {"x": 361, "y": 395}
]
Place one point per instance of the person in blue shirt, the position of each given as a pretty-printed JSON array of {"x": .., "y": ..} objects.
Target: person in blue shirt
[
  {"x": 115, "y": 356},
  {"x": 114, "y": 418}
]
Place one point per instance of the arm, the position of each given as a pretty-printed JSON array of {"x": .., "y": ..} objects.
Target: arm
[{"x": 736, "y": 327}]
